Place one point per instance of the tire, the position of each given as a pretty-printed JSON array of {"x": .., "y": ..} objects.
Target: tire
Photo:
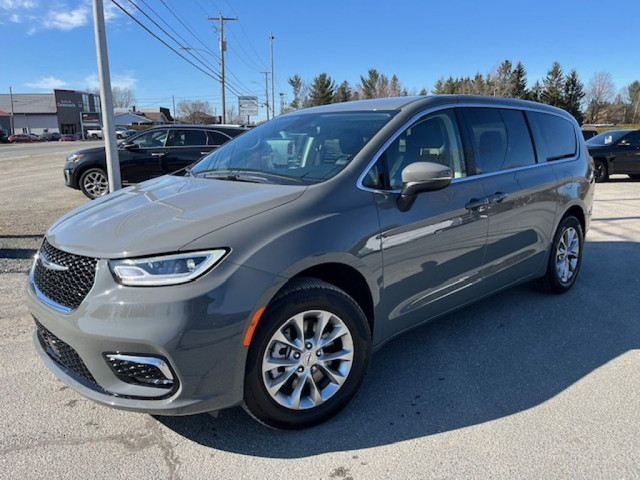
[
  {"x": 330, "y": 374},
  {"x": 94, "y": 183},
  {"x": 94, "y": 136},
  {"x": 601, "y": 171},
  {"x": 565, "y": 257}
]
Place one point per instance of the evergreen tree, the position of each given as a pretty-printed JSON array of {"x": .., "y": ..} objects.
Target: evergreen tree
[
  {"x": 519, "y": 82},
  {"x": 438, "y": 88},
  {"x": 423, "y": 91},
  {"x": 553, "y": 83},
  {"x": 572, "y": 95},
  {"x": 535, "y": 94},
  {"x": 369, "y": 85},
  {"x": 502, "y": 79},
  {"x": 479, "y": 85},
  {"x": 322, "y": 90},
  {"x": 296, "y": 84},
  {"x": 343, "y": 93},
  {"x": 395, "y": 88}
]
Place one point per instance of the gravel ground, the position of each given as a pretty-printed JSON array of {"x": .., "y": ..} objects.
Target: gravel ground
[{"x": 522, "y": 385}]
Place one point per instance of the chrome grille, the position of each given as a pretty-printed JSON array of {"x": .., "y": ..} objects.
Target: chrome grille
[{"x": 66, "y": 286}]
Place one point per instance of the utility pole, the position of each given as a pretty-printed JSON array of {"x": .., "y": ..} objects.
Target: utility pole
[
  {"x": 273, "y": 97},
  {"x": 106, "y": 98},
  {"x": 266, "y": 91},
  {"x": 11, "y": 99},
  {"x": 223, "y": 47}
]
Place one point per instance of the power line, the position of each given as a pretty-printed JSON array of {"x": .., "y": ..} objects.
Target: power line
[
  {"x": 214, "y": 76},
  {"x": 244, "y": 32}
]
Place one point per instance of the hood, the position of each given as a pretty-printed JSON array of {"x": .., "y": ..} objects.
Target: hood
[
  {"x": 90, "y": 151},
  {"x": 162, "y": 215}
]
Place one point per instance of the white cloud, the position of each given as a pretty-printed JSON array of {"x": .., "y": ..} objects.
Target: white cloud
[
  {"x": 66, "y": 21},
  {"x": 126, "y": 80},
  {"x": 18, "y": 4},
  {"x": 47, "y": 83}
]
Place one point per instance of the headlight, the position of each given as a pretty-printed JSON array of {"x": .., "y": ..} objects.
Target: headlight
[
  {"x": 74, "y": 157},
  {"x": 166, "y": 269}
]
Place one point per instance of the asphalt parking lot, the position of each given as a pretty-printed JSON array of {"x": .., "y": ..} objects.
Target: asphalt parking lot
[{"x": 522, "y": 385}]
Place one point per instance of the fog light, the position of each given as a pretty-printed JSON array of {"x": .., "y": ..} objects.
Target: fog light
[{"x": 141, "y": 370}]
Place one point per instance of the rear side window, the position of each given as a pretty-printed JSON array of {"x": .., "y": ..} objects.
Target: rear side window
[
  {"x": 187, "y": 138},
  {"x": 501, "y": 139},
  {"x": 217, "y": 138},
  {"x": 556, "y": 133}
]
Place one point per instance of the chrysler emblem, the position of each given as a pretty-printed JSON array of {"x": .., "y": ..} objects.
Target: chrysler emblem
[{"x": 46, "y": 263}]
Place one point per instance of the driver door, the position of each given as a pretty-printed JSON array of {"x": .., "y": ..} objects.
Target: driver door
[{"x": 142, "y": 158}]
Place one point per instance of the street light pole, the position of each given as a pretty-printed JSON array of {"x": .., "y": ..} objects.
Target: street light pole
[
  {"x": 266, "y": 91},
  {"x": 106, "y": 98}
]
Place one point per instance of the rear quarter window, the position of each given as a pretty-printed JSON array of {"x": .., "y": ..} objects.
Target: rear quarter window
[{"x": 555, "y": 136}]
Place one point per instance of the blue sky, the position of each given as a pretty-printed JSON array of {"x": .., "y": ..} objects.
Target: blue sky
[{"x": 50, "y": 43}]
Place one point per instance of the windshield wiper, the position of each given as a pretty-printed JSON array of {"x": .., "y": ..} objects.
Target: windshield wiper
[{"x": 234, "y": 177}]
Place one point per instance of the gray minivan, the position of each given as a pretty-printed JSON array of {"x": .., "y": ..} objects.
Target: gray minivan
[{"x": 266, "y": 274}]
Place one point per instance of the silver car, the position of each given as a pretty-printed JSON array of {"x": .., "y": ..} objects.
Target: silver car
[{"x": 267, "y": 273}]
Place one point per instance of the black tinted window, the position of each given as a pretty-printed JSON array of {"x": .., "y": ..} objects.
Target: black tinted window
[
  {"x": 556, "y": 133},
  {"x": 150, "y": 139},
  {"x": 633, "y": 139},
  {"x": 187, "y": 138},
  {"x": 217, "y": 138},
  {"x": 501, "y": 139}
]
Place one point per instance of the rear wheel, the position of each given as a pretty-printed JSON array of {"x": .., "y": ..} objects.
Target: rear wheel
[
  {"x": 601, "y": 171},
  {"x": 309, "y": 356},
  {"x": 94, "y": 183},
  {"x": 565, "y": 257}
]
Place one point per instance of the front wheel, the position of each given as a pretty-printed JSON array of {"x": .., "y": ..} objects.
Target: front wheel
[
  {"x": 601, "y": 171},
  {"x": 308, "y": 357},
  {"x": 94, "y": 183},
  {"x": 565, "y": 257}
]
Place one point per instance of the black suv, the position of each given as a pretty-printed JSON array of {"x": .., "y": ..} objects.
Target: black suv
[
  {"x": 616, "y": 151},
  {"x": 152, "y": 153}
]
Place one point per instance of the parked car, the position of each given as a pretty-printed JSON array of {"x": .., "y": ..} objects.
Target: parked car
[
  {"x": 265, "y": 281},
  {"x": 21, "y": 138},
  {"x": 588, "y": 133},
  {"x": 151, "y": 153},
  {"x": 49, "y": 137},
  {"x": 121, "y": 133},
  {"x": 69, "y": 137},
  {"x": 616, "y": 151}
]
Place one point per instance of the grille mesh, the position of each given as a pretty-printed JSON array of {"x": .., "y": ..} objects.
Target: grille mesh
[
  {"x": 67, "y": 288},
  {"x": 65, "y": 355}
]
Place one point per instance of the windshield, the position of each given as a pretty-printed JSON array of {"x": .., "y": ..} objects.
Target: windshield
[
  {"x": 298, "y": 148},
  {"x": 607, "y": 138}
]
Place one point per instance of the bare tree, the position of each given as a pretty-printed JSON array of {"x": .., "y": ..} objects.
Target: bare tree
[
  {"x": 600, "y": 91},
  {"x": 194, "y": 111},
  {"x": 122, "y": 97},
  {"x": 233, "y": 117}
]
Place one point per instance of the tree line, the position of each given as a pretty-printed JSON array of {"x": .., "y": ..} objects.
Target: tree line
[{"x": 598, "y": 102}]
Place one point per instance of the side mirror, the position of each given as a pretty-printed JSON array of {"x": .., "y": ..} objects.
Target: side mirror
[
  {"x": 421, "y": 177},
  {"x": 129, "y": 146}
]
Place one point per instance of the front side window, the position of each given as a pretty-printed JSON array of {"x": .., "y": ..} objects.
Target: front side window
[
  {"x": 434, "y": 138},
  {"x": 217, "y": 138},
  {"x": 150, "y": 139},
  {"x": 633, "y": 139},
  {"x": 500, "y": 139},
  {"x": 296, "y": 148}
]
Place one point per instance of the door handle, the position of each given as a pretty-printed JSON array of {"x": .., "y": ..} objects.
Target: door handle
[
  {"x": 477, "y": 203},
  {"x": 203, "y": 153},
  {"x": 497, "y": 197},
  {"x": 158, "y": 154}
]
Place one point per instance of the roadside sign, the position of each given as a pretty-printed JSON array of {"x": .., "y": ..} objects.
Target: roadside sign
[
  {"x": 248, "y": 106},
  {"x": 90, "y": 118}
]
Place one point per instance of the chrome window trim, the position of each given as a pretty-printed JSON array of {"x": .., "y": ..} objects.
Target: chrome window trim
[{"x": 404, "y": 126}]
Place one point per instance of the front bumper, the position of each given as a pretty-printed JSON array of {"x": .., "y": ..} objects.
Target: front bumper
[
  {"x": 69, "y": 175},
  {"x": 197, "y": 327}
]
